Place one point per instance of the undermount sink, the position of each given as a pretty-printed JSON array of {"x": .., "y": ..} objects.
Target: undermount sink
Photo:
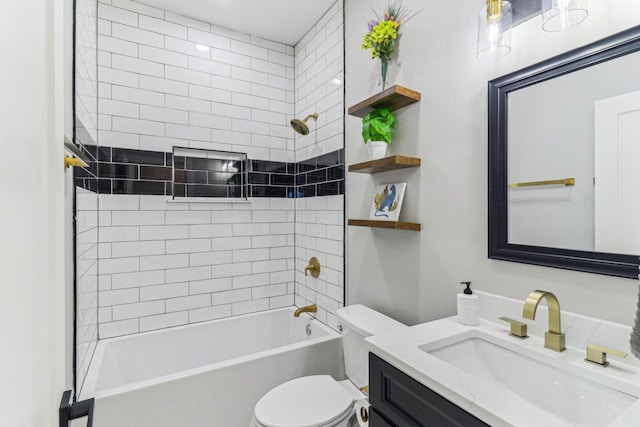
[{"x": 567, "y": 390}]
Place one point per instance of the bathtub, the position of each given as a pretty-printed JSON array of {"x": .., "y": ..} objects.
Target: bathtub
[{"x": 206, "y": 374}]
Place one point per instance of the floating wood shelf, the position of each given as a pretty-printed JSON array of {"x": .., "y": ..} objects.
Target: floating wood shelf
[
  {"x": 387, "y": 164},
  {"x": 393, "y": 98},
  {"x": 395, "y": 225}
]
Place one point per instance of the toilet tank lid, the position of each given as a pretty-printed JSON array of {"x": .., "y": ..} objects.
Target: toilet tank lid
[{"x": 366, "y": 321}]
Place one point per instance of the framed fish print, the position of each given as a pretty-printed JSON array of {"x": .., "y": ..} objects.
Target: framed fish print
[{"x": 387, "y": 202}]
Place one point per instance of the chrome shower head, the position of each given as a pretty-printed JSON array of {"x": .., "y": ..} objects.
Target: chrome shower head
[{"x": 300, "y": 126}]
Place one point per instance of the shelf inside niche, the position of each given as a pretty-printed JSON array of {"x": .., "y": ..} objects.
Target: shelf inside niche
[
  {"x": 392, "y": 98},
  {"x": 395, "y": 225},
  {"x": 386, "y": 164}
]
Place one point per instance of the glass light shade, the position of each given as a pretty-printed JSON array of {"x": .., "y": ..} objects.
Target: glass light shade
[
  {"x": 494, "y": 33},
  {"x": 558, "y": 15}
]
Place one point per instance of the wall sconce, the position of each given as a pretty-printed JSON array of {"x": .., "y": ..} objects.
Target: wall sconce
[
  {"x": 494, "y": 30},
  {"x": 558, "y": 15}
]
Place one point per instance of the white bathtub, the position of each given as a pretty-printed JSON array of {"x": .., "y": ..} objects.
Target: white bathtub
[{"x": 207, "y": 374}]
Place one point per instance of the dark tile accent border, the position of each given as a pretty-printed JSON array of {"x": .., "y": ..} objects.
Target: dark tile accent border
[{"x": 127, "y": 171}]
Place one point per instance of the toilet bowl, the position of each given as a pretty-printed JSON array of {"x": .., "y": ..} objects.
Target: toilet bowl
[
  {"x": 320, "y": 400},
  {"x": 312, "y": 401}
]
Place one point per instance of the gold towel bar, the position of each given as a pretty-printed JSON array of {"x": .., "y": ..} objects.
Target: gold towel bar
[{"x": 569, "y": 182}]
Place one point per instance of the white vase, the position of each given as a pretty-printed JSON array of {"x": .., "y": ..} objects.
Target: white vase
[{"x": 377, "y": 149}]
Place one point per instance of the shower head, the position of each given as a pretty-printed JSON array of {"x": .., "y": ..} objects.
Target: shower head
[{"x": 300, "y": 126}]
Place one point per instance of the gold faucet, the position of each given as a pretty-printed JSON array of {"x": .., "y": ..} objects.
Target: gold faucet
[
  {"x": 553, "y": 338},
  {"x": 308, "y": 309}
]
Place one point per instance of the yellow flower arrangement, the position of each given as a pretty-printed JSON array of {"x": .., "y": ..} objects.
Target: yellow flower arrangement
[
  {"x": 382, "y": 35},
  {"x": 380, "y": 39}
]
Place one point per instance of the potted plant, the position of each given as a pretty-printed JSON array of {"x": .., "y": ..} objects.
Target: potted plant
[{"x": 377, "y": 127}]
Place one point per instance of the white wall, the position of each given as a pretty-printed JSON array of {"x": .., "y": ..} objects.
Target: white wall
[
  {"x": 414, "y": 276},
  {"x": 68, "y": 17},
  {"x": 157, "y": 89},
  {"x": 32, "y": 296}
]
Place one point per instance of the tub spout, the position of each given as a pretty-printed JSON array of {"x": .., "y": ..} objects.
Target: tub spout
[{"x": 308, "y": 309}]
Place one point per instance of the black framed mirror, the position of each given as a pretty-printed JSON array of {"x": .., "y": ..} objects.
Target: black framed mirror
[{"x": 545, "y": 147}]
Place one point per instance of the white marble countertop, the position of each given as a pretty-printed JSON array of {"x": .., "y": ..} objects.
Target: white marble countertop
[{"x": 490, "y": 402}]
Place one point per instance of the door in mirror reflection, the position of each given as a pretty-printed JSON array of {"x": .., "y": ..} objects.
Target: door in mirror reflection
[{"x": 617, "y": 166}]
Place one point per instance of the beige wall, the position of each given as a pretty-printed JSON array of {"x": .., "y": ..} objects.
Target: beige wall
[{"x": 414, "y": 276}]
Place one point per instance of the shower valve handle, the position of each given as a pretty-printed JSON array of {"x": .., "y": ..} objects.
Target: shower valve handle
[{"x": 313, "y": 267}]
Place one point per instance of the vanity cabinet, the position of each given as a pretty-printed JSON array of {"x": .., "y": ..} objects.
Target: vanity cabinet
[{"x": 397, "y": 400}]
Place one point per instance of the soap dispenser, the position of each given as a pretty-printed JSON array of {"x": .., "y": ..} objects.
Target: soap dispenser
[{"x": 468, "y": 306}]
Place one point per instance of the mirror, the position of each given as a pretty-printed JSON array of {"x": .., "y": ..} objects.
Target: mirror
[{"x": 563, "y": 160}]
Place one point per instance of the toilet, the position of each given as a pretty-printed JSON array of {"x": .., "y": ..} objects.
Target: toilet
[{"x": 319, "y": 400}]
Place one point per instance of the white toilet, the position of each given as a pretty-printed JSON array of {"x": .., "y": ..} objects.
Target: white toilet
[{"x": 319, "y": 400}]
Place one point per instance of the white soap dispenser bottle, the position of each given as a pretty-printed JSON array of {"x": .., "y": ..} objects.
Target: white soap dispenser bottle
[{"x": 468, "y": 306}]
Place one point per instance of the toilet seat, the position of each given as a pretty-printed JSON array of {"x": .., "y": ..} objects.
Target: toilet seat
[{"x": 312, "y": 401}]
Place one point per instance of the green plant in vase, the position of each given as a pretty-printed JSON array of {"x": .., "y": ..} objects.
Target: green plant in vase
[
  {"x": 377, "y": 127},
  {"x": 383, "y": 33}
]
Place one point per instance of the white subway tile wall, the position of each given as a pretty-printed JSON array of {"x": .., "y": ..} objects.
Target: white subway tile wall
[
  {"x": 320, "y": 233},
  {"x": 319, "y": 85},
  {"x": 86, "y": 79},
  {"x": 222, "y": 259},
  {"x": 87, "y": 250},
  {"x": 168, "y": 80},
  {"x": 86, "y": 90},
  {"x": 319, "y": 77}
]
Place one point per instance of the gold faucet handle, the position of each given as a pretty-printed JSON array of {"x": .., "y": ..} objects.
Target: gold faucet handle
[
  {"x": 518, "y": 329},
  {"x": 75, "y": 162},
  {"x": 598, "y": 354},
  {"x": 313, "y": 267}
]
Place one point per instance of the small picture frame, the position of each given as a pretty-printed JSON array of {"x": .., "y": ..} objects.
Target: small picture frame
[{"x": 387, "y": 202}]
